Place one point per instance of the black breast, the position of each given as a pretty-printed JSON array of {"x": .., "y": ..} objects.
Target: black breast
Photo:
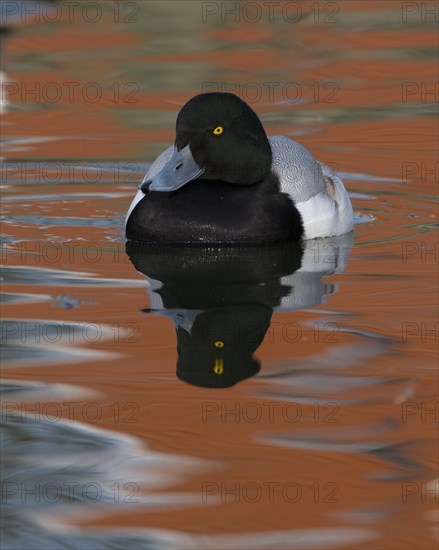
[{"x": 215, "y": 212}]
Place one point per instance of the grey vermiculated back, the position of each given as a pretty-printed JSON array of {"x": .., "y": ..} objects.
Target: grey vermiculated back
[{"x": 300, "y": 175}]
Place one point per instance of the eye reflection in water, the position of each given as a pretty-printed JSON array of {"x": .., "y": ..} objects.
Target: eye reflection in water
[{"x": 221, "y": 299}]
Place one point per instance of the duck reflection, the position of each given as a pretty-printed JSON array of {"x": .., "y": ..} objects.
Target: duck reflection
[{"x": 221, "y": 299}]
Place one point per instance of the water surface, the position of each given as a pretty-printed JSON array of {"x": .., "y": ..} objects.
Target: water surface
[{"x": 282, "y": 398}]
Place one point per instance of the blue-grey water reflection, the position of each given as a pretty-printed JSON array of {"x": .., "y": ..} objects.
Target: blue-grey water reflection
[{"x": 331, "y": 349}]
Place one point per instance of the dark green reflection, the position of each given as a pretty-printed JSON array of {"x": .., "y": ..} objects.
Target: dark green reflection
[{"x": 221, "y": 301}]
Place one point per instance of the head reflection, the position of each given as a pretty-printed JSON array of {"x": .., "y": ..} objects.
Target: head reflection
[{"x": 221, "y": 299}]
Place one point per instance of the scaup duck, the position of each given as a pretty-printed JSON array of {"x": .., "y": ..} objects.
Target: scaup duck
[{"x": 225, "y": 182}]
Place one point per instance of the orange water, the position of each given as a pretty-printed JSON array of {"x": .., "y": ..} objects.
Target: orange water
[{"x": 333, "y": 443}]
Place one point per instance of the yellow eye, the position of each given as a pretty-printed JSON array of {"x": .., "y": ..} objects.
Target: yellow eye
[
  {"x": 218, "y": 369},
  {"x": 219, "y": 344},
  {"x": 218, "y": 130}
]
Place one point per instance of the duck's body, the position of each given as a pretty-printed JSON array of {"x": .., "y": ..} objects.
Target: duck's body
[
  {"x": 236, "y": 186},
  {"x": 316, "y": 190},
  {"x": 213, "y": 211}
]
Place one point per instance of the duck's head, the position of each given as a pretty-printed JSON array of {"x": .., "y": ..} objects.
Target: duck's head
[{"x": 218, "y": 137}]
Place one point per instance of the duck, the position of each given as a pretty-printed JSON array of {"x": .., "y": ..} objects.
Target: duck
[{"x": 225, "y": 182}]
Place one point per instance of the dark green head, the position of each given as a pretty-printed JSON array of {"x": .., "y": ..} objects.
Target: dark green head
[
  {"x": 219, "y": 137},
  {"x": 226, "y": 138}
]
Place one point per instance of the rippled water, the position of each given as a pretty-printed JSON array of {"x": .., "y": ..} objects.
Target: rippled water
[{"x": 284, "y": 397}]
